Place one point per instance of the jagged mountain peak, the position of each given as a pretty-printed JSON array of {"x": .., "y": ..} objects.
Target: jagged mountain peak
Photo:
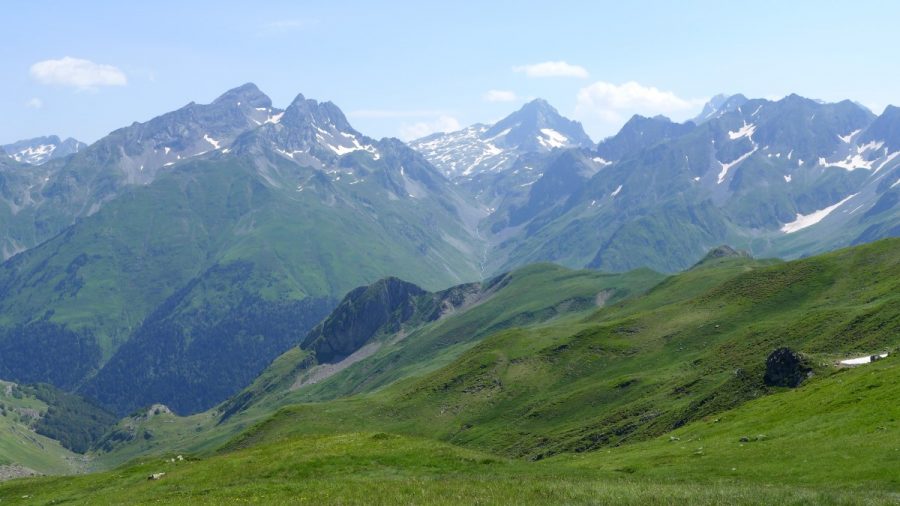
[
  {"x": 638, "y": 133},
  {"x": 246, "y": 94},
  {"x": 884, "y": 129},
  {"x": 40, "y": 150},
  {"x": 536, "y": 127},
  {"x": 304, "y": 111},
  {"x": 719, "y": 105},
  {"x": 537, "y": 106}
]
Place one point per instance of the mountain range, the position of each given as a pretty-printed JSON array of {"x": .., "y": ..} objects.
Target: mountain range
[
  {"x": 235, "y": 300},
  {"x": 172, "y": 260},
  {"x": 232, "y": 218}
]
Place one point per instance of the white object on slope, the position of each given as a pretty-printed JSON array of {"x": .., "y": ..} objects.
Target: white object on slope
[
  {"x": 811, "y": 219},
  {"x": 862, "y": 360},
  {"x": 613, "y": 194}
]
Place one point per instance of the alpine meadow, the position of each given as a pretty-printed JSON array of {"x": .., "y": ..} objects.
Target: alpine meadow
[{"x": 505, "y": 253}]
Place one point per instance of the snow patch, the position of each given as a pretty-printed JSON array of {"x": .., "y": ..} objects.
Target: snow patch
[
  {"x": 727, "y": 166},
  {"x": 601, "y": 161},
  {"x": 550, "y": 138},
  {"x": 787, "y": 178},
  {"x": 275, "y": 119},
  {"x": 852, "y": 162},
  {"x": 745, "y": 131},
  {"x": 846, "y": 138},
  {"x": 213, "y": 142},
  {"x": 886, "y": 161},
  {"x": 870, "y": 146},
  {"x": 613, "y": 194},
  {"x": 501, "y": 134},
  {"x": 811, "y": 219}
]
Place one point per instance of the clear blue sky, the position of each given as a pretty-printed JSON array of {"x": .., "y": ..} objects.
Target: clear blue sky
[{"x": 405, "y": 68}]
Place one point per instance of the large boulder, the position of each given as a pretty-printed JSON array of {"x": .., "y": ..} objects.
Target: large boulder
[{"x": 786, "y": 368}]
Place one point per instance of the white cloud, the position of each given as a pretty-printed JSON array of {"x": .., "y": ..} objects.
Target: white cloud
[
  {"x": 552, "y": 69},
  {"x": 616, "y": 102},
  {"x": 78, "y": 73},
  {"x": 420, "y": 129},
  {"x": 499, "y": 96},
  {"x": 34, "y": 103}
]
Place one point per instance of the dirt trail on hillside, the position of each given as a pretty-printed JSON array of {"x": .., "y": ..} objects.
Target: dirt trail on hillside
[{"x": 325, "y": 371}]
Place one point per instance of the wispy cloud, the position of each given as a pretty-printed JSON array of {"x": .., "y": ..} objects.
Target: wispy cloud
[
  {"x": 77, "y": 73},
  {"x": 552, "y": 69},
  {"x": 499, "y": 96},
  {"x": 615, "y": 102},
  {"x": 420, "y": 129},
  {"x": 34, "y": 103}
]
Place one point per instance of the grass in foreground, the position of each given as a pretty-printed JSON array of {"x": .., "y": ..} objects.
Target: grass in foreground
[
  {"x": 366, "y": 468},
  {"x": 831, "y": 442}
]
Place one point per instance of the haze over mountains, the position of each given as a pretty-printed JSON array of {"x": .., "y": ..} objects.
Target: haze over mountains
[
  {"x": 237, "y": 278},
  {"x": 42, "y": 149},
  {"x": 175, "y": 258}
]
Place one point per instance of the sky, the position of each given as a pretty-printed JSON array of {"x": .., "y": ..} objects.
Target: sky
[{"x": 406, "y": 69}]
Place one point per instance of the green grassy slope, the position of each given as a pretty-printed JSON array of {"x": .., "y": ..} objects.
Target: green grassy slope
[
  {"x": 20, "y": 444},
  {"x": 525, "y": 297},
  {"x": 648, "y": 400},
  {"x": 528, "y": 296},
  {"x": 835, "y": 445},
  {"x": 174, "y": 263},
  {"x": 839, "y": 431},
  {"x": 689, "y": 349}
]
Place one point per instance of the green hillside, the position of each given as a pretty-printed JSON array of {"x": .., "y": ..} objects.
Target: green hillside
[
  {"x": 208, "y": 264},
  {"x": 693, "y": 346},
  {"x": 656, "y": 396},
  {"x": 403, "y": 347},
  {"x": 795, "y": 462},
  {"x": 24, "y": 450}
]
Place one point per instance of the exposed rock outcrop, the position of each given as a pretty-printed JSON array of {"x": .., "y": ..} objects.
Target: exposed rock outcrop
[{"x": 786, "y": 368}]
